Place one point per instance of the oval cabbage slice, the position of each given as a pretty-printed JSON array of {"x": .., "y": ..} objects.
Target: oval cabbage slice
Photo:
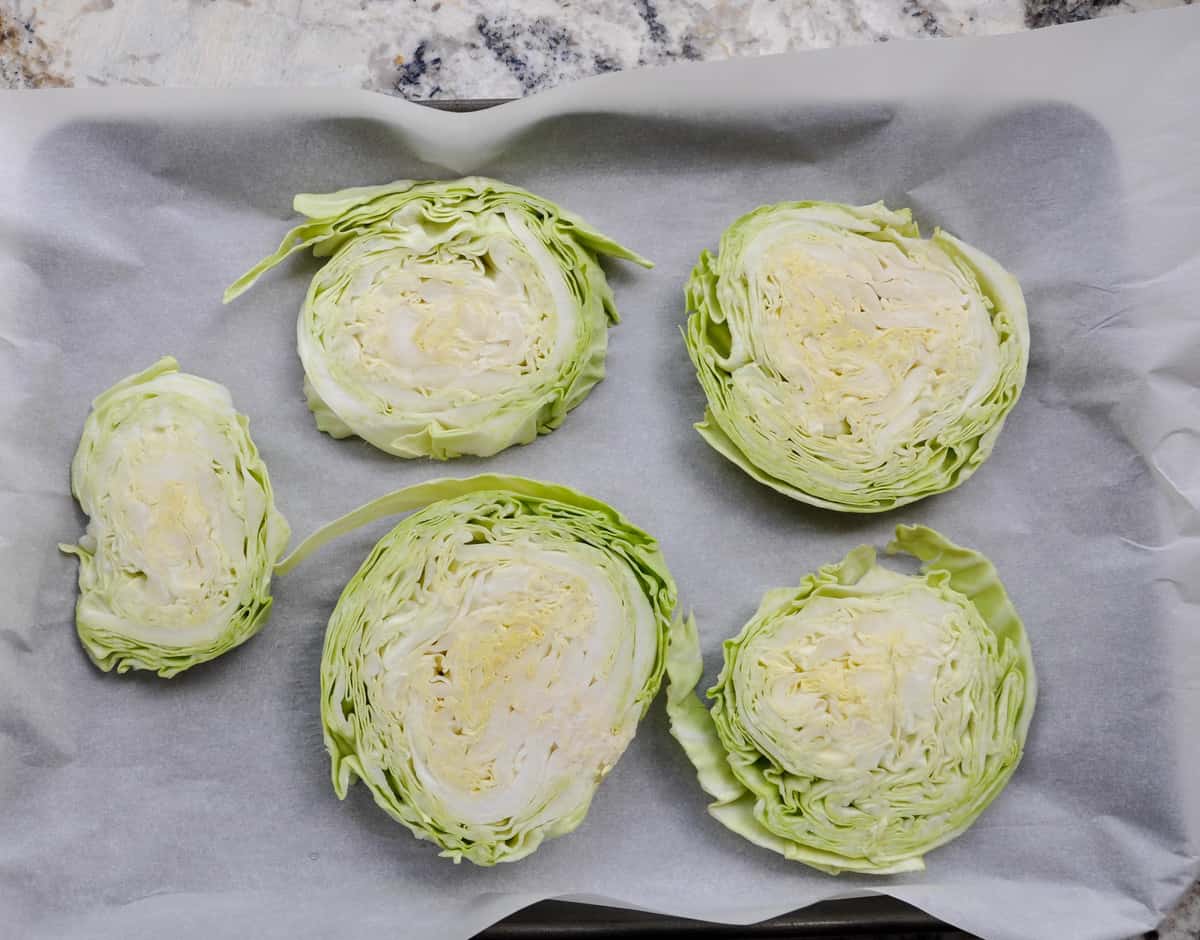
[
  {"x": 848, "y": 362},
  {"x": 452, "y": 318},
  {"x": 867, "y": 716},
  {"x": 175, "y": 566},
  {"x": 489, "y": 662}
]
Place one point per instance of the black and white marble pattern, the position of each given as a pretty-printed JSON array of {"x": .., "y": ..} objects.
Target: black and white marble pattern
[
  {"x": 460, "y": 48},
  {"x": 473, "y": 49}
]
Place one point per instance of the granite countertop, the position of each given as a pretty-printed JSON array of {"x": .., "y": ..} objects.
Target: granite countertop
[
  {"x": 460, "y": 48},
  {"x": 474, "y": 49}
]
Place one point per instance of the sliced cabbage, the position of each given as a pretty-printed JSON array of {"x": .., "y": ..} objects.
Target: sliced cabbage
[
  {"x": 452, "y": 318},
  {"x": 865, "y": 717},
  {"x": 175, "y": 566},
  {"x": 849, "y": 363},
  {"x": 489, "y": 662}
]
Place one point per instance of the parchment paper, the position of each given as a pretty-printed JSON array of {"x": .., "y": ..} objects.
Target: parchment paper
[{"x": 133, "y": 807}]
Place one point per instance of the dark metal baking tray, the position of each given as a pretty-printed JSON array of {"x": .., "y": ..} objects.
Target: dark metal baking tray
[{"x": 860, "y": 917}]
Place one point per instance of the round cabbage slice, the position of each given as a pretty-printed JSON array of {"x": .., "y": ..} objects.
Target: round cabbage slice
[
  {"x": 848, "y": 362},
  {"x": 175, "y": 566},
  {"x": 452, "y": 318},
  {"x": 867, "y": 716},
  {"x": 489, "y": 662}
]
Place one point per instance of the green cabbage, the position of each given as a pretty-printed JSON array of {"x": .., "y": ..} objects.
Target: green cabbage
[
  {"x": 452, "y": 318},
  {"x": 865, "y": 717},
  {"x": 849, "y": 363},
  {"x": 489, "y": 662},
  {"x": 175, "y": 566}
]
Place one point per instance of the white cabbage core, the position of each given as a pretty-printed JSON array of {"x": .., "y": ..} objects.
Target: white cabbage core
[
  {"x": 419, "y": 328},
  {"x": 168, "y": 528},
  {"x": 858, "y": 342},
  {"x": 880, "y": 682},
  {"x": 512, "y": 682}
]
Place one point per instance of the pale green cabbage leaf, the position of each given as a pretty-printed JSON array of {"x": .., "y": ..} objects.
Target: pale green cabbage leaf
[
  {"x": 175, "y": 565},
  {"x": 452, "y": 318},
  {"x": 489, "y": 662},
  {"x": 867, "y": 716},
  {"x": 848, "y": 362}
]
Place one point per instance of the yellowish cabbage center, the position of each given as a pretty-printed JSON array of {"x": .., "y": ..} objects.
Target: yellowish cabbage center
[
  {"x": 848, "y": 685},
  {"x": 512, "y": 685},
  {"x": 425, "y": 333},
  {"x": 859, "y": 341},
  {"x": 173, "y": 543}
]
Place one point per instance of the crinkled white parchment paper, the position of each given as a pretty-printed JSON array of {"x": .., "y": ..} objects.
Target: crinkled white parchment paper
[{"x": 132, "y": 807}]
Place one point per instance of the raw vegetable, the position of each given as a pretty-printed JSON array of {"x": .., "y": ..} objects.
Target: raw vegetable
[
  {"x": 865, "y": 717},
  {"x": 456, "y": 317},
  {"x": 489, "y": 662},
  {"x": 849, "y": 363},
  {"x": 175, "y": 566}
]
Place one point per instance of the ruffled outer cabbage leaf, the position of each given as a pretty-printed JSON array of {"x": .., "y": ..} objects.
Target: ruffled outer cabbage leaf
[
  {"x": 849, "y": 363},
  {"x": 452, "y": 318},
  {"x": 865, "y": 717},
  {"x": 175, "y": 566},
  {"x": 489, "y": 662}
]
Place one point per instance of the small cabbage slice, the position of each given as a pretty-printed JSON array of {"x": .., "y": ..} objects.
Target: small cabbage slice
[
  {"x": 867, "y": 716},
  {"x": 848, "y": 362},
  {"x": 175, "y": 566},
  {"x": 457, "y": 317},
  {"x": 489, "y": 662}
]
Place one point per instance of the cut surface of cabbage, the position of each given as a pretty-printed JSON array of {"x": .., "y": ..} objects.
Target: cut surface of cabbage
[
  {"x": 489, "y": 663},
  {"x": 848, "y": 362},
  {"x": 457, "y": 317},
  {"x": 175, "y": 565},
  {"x": 866, "y": 717}
]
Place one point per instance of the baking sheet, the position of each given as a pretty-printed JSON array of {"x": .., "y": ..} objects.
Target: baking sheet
[{"x": 200, "y": 807}]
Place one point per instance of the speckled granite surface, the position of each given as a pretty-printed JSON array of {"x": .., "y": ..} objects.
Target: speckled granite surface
[
  {"x": 459, "y": 48},
  {"x": 1184, "y": 922},
  {"x": 473, "y": 48}
]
